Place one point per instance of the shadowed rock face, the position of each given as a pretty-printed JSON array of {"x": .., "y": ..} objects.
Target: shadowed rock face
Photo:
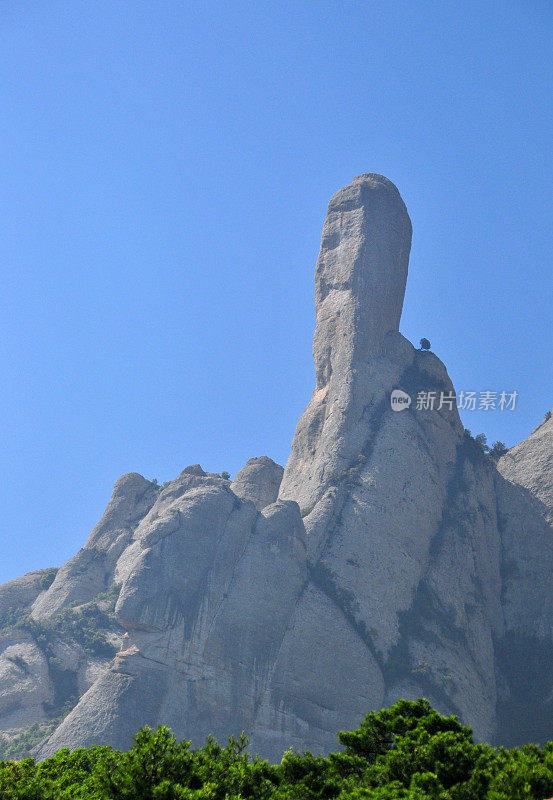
[
  {"x": 415, "y": 567},
  {"x": 530, "y": 464}
]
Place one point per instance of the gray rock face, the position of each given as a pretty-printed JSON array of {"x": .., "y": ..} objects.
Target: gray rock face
[
  {"x": 259, "y": 481},
  {"x": 209, "y": 586},
  {"x": 360, "y": 275},
  {"x": 91, "y": 571},
  {"x": 530, "y": 464},
  {"x": 415, "y": 566},
  {"x": 409, "y": 528},
  {"x": 22, "y": 592},
  {"x": 359, "y": 287},
  {"x": 25, "y": 684},
  {"x": 43, "y": 666}
]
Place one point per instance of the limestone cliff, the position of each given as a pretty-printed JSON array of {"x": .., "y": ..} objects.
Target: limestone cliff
[{"x": 392, "y": 559}]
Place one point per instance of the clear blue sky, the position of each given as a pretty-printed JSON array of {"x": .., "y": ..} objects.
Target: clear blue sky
[{"x": 166, "y": 170}]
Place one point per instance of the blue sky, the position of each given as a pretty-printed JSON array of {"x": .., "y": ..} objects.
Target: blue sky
[{"x": 166, "y": 170}]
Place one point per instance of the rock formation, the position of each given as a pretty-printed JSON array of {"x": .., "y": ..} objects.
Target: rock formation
[
  {"x": 259, "y": 481},
  {"x": 530, "y": 464},
  {"x": 392, "y": 559},
  {"x": 359, "y": 287}
]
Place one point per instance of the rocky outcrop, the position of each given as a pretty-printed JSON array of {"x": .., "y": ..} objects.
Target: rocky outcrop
[
  {"x": 209, "y": 586},
  {"x": 20, "y": 594},
  {"x": 46, "y": 661},
  {"x": 359, "y": 287},
  {"x": 530, "y": 464},
  {"x": 25, "y": 686},
  {"x": 392, "y": 559},
  {"x": 259, "y": 481},
  {"x": 409, "y": 525},
  {"x": 91, "y": 571}
]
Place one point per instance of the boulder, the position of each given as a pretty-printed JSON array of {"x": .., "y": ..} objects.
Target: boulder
[{"x": 259, "y": 481}]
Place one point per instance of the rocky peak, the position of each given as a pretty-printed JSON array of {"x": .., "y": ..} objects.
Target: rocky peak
[
  {"x": 259, "y": 481},
  {"x": 360, "y": 275},
  {"x": 91, "y": 570},
  {"x": 360, "y": 356}
]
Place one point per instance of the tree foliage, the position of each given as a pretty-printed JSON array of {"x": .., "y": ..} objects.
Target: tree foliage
[{"x": 408, "y": 751}]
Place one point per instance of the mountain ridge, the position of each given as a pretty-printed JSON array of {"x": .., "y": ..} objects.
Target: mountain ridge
[{"x": 390, "y": 558}]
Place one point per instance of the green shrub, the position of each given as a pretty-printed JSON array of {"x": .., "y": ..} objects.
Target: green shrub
[
  {"x": 48, "y": 578},
  {"x": 82, "y": 624},
  {"x": 21, "y": 746},
  {"x": 407, "y": 751},
  {"x": 497, "y": 450}
]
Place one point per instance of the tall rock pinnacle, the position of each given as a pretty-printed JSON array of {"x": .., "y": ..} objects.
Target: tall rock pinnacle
[
  {"x": 359, "y": 288},
  {"x": 361, "y": 273}
]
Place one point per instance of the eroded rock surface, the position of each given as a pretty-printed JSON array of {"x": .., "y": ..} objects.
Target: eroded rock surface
[
  {"x": 259, "y": 481},
  {"x": 209, "y": 585},
  {"x": 530, "y": 464},
  {"x": 91, "y": 571},
  {"x": 392, "y": 559}
]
